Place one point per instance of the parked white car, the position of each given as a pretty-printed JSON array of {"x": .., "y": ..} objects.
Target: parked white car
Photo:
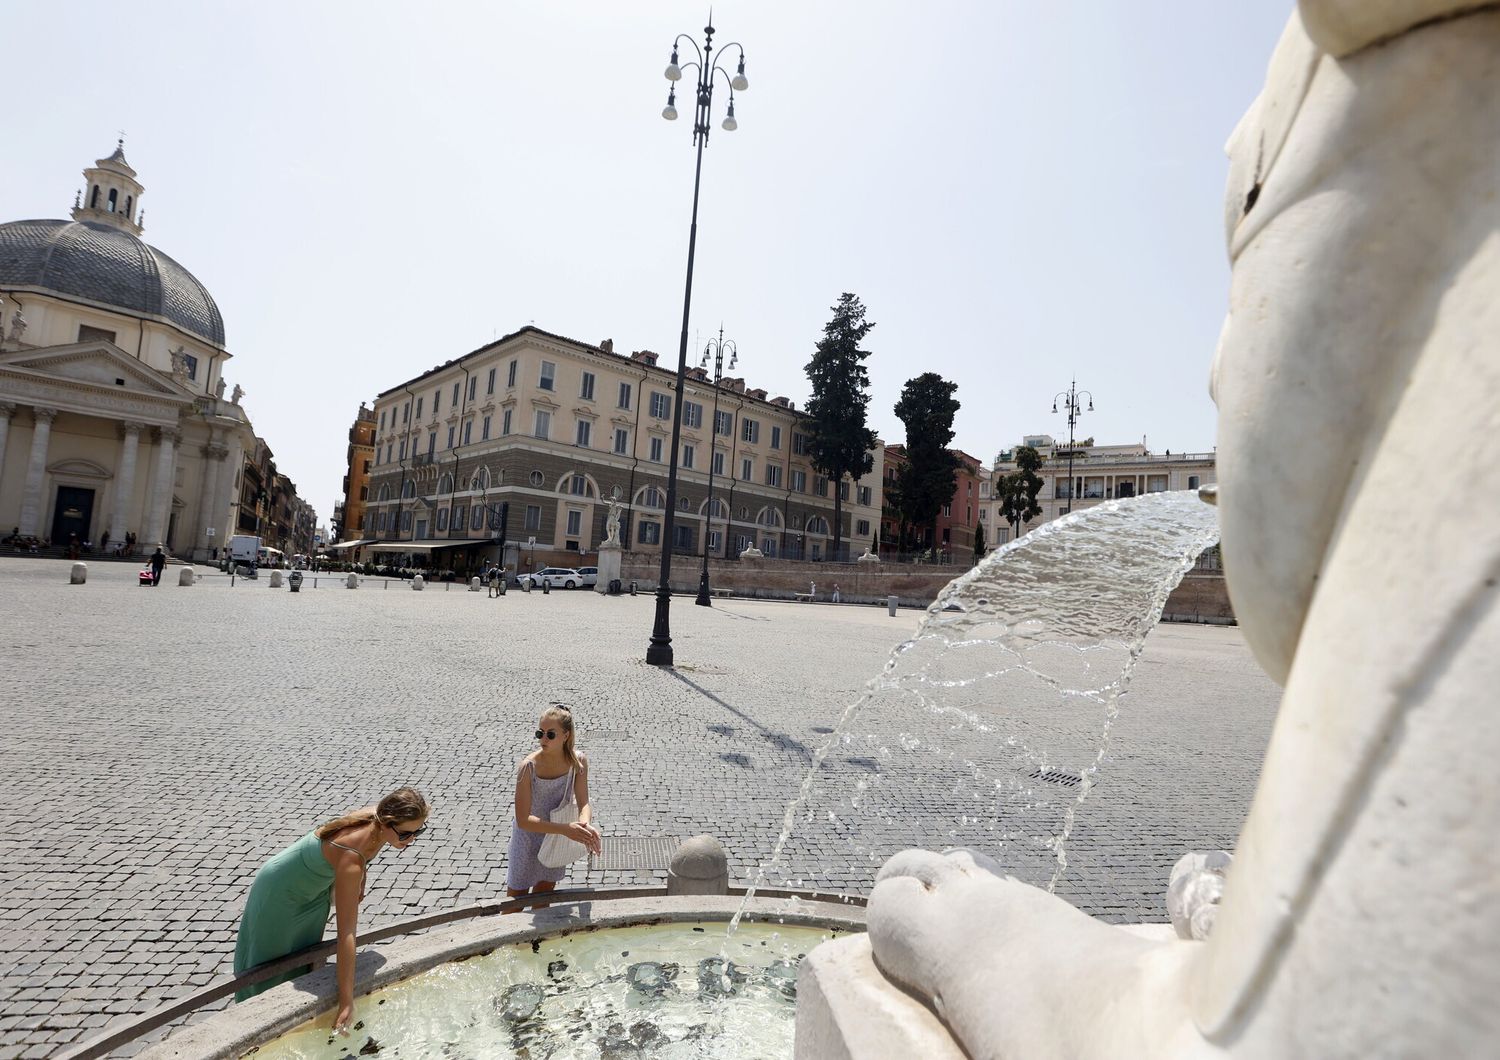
[
  {"x": 590, "y": 576},
  {"x": 554, "y": 577}
]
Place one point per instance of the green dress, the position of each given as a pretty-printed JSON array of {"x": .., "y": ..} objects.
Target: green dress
[{"x": 286, "y": 911}]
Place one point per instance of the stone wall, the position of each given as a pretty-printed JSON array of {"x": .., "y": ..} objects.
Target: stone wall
[{"x": 1201, "y": 597}]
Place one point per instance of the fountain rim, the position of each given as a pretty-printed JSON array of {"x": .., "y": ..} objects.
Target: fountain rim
[{"x": 463, "y": 932}]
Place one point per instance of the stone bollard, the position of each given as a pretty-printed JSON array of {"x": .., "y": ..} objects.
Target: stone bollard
[
  {"x": 351, "y": 582},
  {"x": 79, "y": 574},
  {"x": 699, "y": 866},
  {"x": 419, "y": 583},
  {"x": 187, "y": 576},
  {"x": 473, "y": 585},
  {"x": 275, "y": 582},
  {"x": 890, "y": 604}
]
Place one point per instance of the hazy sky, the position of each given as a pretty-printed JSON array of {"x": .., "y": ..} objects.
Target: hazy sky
[{"x": 1018, "y": 191}]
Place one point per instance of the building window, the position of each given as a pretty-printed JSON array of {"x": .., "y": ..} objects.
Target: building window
[
  {"x": 406, "y": 522},
  {"x": 1062, "y": 490},
  {"x": 473, "y": 382},
  {"x": 773, "y": 475},
  {"x": 533, "y": 517},
  {"x": 431, "y": 443},
  {"x": 442, "y": 519},
  {"x": 476, "y": 517},
  {"x": 741, "y": 542},
  {"x": 816, "y": 524},
  {"x": 655, "y": 456},
  {"x": 687, "y": 456},
  {"x": 454, "y": 403},
  {"x": 114, "y": 197},
  {"x": 450, "y": 436},
  {"x": 661, "y": 406},
  {"x": 505, "y": 422},
  {"x": 649, "y": 533},
  {"x": 468, "y": 430},
  {"x": 586, "y": 390},
  {"x": 724, "y": 423},
  {"x": 543, "y": 423},
  {"x": 948, "y": 511},
  {"x": 1156, "y": 483},
  {"x": 489, "y": 386},
  {"x": 622, "y": 440},
  {"x": 747, "y": 469},
  {"x": 406, "y": 412},
  {"x": 862, "y": 527},
  {"x": 578, "y": 486},
  {"x": 403, "y": 449},
  {"x": 382, "y": 421},
  {"x": 435, "y": 398},
  {"x": 581, "y": 435},
  {"x": 421, "y": 528},
  {"x": 692, "y": 414},
  {"x": 388, "y": 452},
  {"x": 718, "y": 463},
  {"x": 536, "y": 478},
  {"x": 715, "y": 541},
  {"x": 192, "y": 365},
  {"x": 866, "y": 497},
  {"x": 799, "y": 444},
  {"x": 843, "y": 489},
  {"x": 624, "y": 401},
  {"x": 1192, "y": 482},
  {"x": 799, "y": 481},
  {"x": 575, "y": 522},
  {"x": 683, "y": 538},
  {"x": 458, "y": 516},
  {"x": 548, "y": 375},
  {"x": 510, "y": 374},
  {"x": 820, "y": 486},
  {"x": 484, "y": 430},
  {"x": 651, "y": 497},
  {"x": 749, "y": 431}
]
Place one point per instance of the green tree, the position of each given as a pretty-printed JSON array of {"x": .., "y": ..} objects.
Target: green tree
[
  {"x": 979, "y": 546},
  {"x": 930, "y": 475},
  {"x": 1018, "y": 490},
  {"x": 838, "y": 440}
]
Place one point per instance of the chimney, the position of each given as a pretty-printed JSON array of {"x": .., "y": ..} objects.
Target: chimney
[
  {"x": 758, "y": 394},
  {"x": 644, "y": 356},
  {"x": 608, "y": 345}
]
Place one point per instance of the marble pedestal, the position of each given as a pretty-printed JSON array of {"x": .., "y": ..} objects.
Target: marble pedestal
[{"x": 609, "y": 567}]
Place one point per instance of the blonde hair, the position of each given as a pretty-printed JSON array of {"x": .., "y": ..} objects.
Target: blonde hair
[
  {"x": 564, "y": 718},
  {"x": 403, "y": 804}
]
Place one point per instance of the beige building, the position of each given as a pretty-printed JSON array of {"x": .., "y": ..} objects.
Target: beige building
[
  {"x": 1100, "y": 473},
  {"x": 113, "y": 419},
  {"x": 552, "y": 428}
]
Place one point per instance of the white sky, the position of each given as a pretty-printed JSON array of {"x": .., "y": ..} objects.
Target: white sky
[{"x": 1019, "y": 191}]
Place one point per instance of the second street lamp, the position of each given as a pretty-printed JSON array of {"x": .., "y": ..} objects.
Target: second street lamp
[
  {"x": 717, "y": 348},
  {"x": 1073, "y": 400},
  {"x": 659, "y": 652}
]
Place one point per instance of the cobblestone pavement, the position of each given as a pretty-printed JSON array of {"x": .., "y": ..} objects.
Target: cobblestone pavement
[{"x": 161, "y": 744}]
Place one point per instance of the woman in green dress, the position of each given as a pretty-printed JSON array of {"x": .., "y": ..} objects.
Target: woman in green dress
[{"x": 289, "y": 900}]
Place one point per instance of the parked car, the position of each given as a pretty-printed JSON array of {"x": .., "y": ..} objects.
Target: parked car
[
  {"x": 590, "y": 576},
  {"x": 554, "y": 577}
]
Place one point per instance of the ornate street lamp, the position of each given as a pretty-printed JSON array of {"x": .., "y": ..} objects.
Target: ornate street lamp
[
  {"x": 659, "y": 652},
  {"x": 717, "y": 348},
  {"x": 1072, "y": 398}
]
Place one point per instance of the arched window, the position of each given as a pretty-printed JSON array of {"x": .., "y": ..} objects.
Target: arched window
[
  {"x": 445, "y": 484},
  {"x": 720, "y": 509},
  {"x": 129, "y": 202},
  {"x": 113, "y": 198},
  {"x": 768, "y": 517},
  {"x": 577, "y": 484},
  {"x": 408, "y": 490},
  {"x": 817, "y": 525},
  {"x": 651, "y": 497},
  {"x": 481, "y": 480},
  {"x": 94, "y": 198},
  {"x": 385, "y": 492}
]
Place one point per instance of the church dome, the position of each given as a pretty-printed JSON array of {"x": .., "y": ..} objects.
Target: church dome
[{"x": 103, "y": 263}]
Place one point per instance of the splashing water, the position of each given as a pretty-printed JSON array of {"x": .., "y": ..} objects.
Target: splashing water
[{"x": 989, "y": 728}]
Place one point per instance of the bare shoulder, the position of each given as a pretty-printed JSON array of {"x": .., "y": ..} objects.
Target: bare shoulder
[{"x": 523, "y": 763}]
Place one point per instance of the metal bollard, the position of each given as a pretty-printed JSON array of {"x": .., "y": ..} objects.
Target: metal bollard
[
  {"x": 294, "y": 582},
  {"x": 632, "y": 588},
  {"x": 890, "y": 604},
  {"x": 546, "y": 587}
]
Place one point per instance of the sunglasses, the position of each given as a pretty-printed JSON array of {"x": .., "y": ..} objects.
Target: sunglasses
[
  {"x": 550, "y": 734},
  {"x": 406, "y": 836}
]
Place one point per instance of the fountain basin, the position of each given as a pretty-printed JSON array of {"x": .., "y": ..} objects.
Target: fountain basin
[{"x": 258, "y": 1024}]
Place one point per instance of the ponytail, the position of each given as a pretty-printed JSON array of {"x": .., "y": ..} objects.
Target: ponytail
[{"x": 401, "y": 805}]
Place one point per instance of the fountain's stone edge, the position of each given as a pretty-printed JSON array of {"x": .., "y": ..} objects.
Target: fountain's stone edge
[
  {"x": 241, "y": 1027},
  {"x": 848, "y": 1010}
]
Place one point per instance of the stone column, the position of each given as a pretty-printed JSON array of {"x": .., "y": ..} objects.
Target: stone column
[
  {"x": 36, "y": 470},
  {"x": 125, "y": 482},
  {"x": 213, "y": 461},
  {"x": 7, "y": 410},
  {"x": 161, "y": 485}
]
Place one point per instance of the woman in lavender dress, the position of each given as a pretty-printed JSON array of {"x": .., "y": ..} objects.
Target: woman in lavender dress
[{"x": 542, "y": 784}]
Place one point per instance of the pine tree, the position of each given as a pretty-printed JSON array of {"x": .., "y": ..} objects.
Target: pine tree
[{"x": 838, "y": 440}]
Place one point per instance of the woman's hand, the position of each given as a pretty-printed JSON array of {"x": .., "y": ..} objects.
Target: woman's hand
[
  {"x": 343, "y": 1018},
  {"x": 588, "y": 835}
]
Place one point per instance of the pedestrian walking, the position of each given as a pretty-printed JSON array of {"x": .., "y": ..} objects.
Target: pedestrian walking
[
  {"x": 158, "y": 561},
  {"x": 544, "y": 781},
  {"x": 289, "y": 901}
]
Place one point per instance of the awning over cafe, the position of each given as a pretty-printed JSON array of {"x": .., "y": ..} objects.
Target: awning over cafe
[
  {"x": 349, "y": 544},
  {"x": 432, "y": 544}
]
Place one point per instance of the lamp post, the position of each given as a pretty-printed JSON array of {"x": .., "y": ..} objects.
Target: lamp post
[
  {"x": 659, "y": 652},
  {"x": 1072, "y": 398},
  {"x": 717, "y": 348}
]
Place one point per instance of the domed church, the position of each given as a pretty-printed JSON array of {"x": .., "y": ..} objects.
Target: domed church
[{"x": 113, "y": 419}]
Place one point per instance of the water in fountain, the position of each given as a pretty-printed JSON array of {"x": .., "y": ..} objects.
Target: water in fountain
[{"x": 989, "y": 728}]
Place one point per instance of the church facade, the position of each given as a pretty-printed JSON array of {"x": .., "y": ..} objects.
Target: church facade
[{"x": 113, "y": 417}]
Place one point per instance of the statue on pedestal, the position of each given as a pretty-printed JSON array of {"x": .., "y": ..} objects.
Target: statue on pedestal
[{"x": 1361, "y": 915}]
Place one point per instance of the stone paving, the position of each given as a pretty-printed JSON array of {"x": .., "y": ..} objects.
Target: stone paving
[{"x": 161, "y": 744}]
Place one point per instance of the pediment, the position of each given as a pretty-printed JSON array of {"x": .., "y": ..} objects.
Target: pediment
[
  {"x": 99, "y": 363},
  {"x": 79, "y": 468}
]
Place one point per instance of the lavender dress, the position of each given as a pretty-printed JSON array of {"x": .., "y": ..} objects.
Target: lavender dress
[{"x": 524, "y": 871}]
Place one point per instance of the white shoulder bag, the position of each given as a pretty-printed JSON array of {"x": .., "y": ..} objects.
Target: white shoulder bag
[{"x": 559, "y": 850}]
